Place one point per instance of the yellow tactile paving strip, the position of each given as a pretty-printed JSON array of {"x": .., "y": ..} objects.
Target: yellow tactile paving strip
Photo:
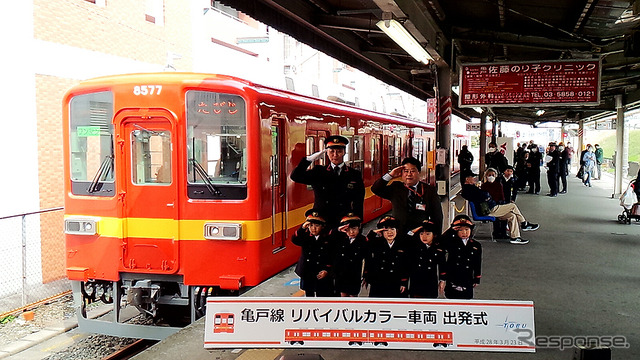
[{"x": 260, "y": 354}]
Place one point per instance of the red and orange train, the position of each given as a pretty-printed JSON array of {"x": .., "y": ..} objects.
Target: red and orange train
[
  {"x": 375, "y": 337},
  {"x": 177, "y": 186}
]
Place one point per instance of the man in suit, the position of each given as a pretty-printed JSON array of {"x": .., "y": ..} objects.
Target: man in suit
[
  {"x": 412, "y": 200},
  {"x": 338, "y": 188}
]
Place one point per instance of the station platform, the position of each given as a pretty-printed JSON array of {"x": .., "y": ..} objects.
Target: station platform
[{"x": 581, "y": 269}]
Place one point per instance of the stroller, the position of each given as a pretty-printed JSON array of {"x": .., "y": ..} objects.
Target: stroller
[{"x": 630, "y": 205}]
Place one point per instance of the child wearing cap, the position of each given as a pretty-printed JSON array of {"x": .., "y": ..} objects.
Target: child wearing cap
[
  {"x": 351, "y": 249},
  {"x": 316, "y": 256},
  {"x": 386, "y": 264},
  {"x": 427, "y": 263},
  {"x": 464, "y": 263}
]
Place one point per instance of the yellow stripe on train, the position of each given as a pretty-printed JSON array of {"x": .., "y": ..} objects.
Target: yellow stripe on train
[{"x": 251, "y": 230}]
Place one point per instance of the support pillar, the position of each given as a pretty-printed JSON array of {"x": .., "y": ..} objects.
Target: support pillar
[
  {"x": 483, "y": 139},
  {"x": 622, "y": 148},
  {"x": 443, "y": 138}
]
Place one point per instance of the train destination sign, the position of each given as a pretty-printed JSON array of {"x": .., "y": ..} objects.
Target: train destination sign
[
  {"x": 552, "y": 83},
  {"x": 368, "y": 323}
]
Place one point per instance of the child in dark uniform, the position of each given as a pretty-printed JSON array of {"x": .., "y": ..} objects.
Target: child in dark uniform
[
  {"x": 427, "y": 273},
  {"x": 464, "y": 263},
  {"x": 386, "y": 264},
  {"x": 315, "y": 277},
  {"x": 351, "y": 249}
]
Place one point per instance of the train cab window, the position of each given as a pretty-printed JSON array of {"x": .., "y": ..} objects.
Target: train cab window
[
  {"x": 91, "y": 144},
  {"x": 216, "y": 145},
  {"x": 151, "y": 157}
]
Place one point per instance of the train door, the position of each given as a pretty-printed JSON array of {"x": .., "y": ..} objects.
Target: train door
[
  {"x": 148, "y": 195},
  {"x": 279, "y": 218}
]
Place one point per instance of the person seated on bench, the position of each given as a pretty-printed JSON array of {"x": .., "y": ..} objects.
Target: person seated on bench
[
  {"x": 509, "y": 212},
  {"x": 493, "y": 186}
]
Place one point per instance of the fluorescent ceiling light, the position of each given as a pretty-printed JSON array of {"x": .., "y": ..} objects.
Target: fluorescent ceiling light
[{"x": 401, "y": 36}]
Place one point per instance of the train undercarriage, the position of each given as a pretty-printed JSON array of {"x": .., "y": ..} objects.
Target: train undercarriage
[{"x": 143, "y": 307}]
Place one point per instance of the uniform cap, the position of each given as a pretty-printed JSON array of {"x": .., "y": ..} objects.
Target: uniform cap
[
  {"x": 428, "y": 226},
  {"x": 336, "y": 141},
  {"x": 387, "y": 222},
  {"x": 313, "y": 216},
  {"x": 351, "y": 219},
  {"x": 462, "y": 221},
  {"x": 553, "y": 143}
]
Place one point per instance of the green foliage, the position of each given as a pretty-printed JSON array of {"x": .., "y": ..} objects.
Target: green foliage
[{"x": 608, "y": 144}]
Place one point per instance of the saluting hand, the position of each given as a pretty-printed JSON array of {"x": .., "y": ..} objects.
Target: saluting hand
[
  {"x": 305, "y": 225},
  {"x": 313, "y": 157},
  {"x": 397, "y": 171},
  {"x": 322, "y": 274},
  {"x": 344, "y": 228}
]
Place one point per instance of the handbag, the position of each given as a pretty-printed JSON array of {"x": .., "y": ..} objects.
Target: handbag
[{"x": 484, "y": 209}]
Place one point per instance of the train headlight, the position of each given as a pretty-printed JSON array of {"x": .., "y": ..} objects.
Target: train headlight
[
  {"x": 81, "y": 226},
  {"x": 222, "y": 231}
]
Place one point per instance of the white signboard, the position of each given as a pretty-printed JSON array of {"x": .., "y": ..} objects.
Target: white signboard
[
  {"x": 366, "y": 323},
  {"x": 473, "y": 126}
]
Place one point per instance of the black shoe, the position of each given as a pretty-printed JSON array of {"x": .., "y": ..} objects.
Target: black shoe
[
  {"x": 519, "y": 241},
  {"x": 563, "y": 192},
  {"x": 527, "y": 226},
  {"x": 552, "y": 195},
  {"x": 537, "y": 192}
]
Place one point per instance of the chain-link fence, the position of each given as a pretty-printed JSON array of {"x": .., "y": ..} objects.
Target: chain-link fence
[{"x": 32, "y": 266}]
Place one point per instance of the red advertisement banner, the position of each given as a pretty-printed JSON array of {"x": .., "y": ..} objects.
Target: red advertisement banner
[{"x": 570, "y": 82}]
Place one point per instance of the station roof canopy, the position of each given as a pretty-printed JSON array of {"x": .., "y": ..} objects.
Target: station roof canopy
[{"x": 470, "y": 31}]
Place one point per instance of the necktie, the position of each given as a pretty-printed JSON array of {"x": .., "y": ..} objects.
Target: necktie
[
  {"x": 336, "y": 169},
  {"x": 412, "y": 199}
]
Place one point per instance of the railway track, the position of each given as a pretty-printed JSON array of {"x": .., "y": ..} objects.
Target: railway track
[{"x": 131, "y": 350}]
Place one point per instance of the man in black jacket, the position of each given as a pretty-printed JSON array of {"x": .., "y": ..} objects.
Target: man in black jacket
[
  {"x": 553, "y": 169},
  {"x": 412, "y": 200},
  {"x": 338, "y": 188},
  {"x": 465, "y": 158}
]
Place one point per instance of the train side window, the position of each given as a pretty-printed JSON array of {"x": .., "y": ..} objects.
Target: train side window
[
  {"x": 323, "y": 159},
  {"x": 393, "y": 160},
  {"x": 358, "y": 153},
  {"x": 151, "y": 157},
  {"x": 275, "y": 156},
  {"x": 375, "y": 155},
  {"x": 91, "y": 144}
]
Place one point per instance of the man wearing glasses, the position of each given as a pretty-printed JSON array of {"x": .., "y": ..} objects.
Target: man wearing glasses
[{"x": 412, "y": 200}]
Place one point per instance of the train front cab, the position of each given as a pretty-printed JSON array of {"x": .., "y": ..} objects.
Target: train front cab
[{"x": 165, "y": 200}]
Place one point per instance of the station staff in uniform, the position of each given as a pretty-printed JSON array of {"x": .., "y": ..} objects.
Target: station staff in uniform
[
  {"x": 317, "y": 255},
  {"x": 427, "y": 263},
  {"x": 338, "y": 188},
  {"x": 386, "y": 264},
  {"x": 412, "y": 201},
  {"x": 351, "y": 250},
  {"x": 464, "y": 262}
]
